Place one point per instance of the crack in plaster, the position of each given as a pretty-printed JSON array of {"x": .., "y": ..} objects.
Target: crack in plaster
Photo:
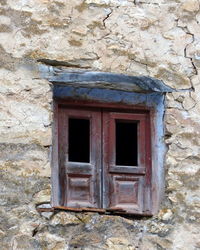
[
  {"x": 79, "y": 218},
  {"x": 57, "y": 63},
  {"x": 35, "y": 230},
  {"x": 185, "y": 53},
  {"x": 145, "y": 64},
  {"x": 107, "y": 16},
  {"x": 186, "y": 30},
  {"x": 195, "y": 103}
]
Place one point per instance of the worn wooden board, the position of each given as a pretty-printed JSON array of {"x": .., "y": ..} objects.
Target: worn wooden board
[{"x": 78, "y": 77}]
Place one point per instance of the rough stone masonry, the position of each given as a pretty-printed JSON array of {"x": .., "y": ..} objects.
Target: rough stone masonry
[{"x": 156, "y": 38}]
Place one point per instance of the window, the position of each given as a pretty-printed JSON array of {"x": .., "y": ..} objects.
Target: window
[{"x": 103, "y": 158}]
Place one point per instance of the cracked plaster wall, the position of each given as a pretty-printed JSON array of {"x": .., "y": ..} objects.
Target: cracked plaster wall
[{"x": 159, "y": 38}]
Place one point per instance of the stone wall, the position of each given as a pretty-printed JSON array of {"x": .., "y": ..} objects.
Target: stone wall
[{"x": 158, "y": 38}]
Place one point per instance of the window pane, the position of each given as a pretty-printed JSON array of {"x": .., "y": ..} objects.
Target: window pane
[
  {"x": 79, "y": 140},
  {"x": 126, "y": 143}
]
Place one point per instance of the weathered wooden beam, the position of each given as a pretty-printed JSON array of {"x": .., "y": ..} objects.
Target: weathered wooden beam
[
  {"x": 84, "y": 209},
  {"x": 96, "y": 79}
]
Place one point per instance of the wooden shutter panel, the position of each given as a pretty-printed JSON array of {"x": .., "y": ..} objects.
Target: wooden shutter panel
[
  {"x": 127, "y": 188},
  {"x": 79, "y": 181}
]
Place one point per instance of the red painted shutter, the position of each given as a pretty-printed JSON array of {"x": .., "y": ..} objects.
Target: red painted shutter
[
  {"x": 101, "y": 181},
  {"x": 126, "y": 188},
  {"x": 79, "y": 181}
]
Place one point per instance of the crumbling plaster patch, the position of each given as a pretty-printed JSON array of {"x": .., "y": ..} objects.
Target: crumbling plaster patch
[{"x": 111, "y": 37}]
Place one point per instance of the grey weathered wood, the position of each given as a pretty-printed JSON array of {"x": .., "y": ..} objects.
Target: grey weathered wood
[
  {"x": 55, "y": 197},
  {"x": 103, "y": 80},
  {"x": 127, "y": 170}
]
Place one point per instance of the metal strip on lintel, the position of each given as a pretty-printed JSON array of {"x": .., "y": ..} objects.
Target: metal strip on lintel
[{"x": 89, "y": 79}]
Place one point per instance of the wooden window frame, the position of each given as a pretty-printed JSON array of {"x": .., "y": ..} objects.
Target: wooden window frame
[{"x": 135, "y": 110}]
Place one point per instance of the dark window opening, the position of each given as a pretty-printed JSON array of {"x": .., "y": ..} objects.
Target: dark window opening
[
  {"x": 126, "y": 143},
  {"x": 79, "y": 140}
]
